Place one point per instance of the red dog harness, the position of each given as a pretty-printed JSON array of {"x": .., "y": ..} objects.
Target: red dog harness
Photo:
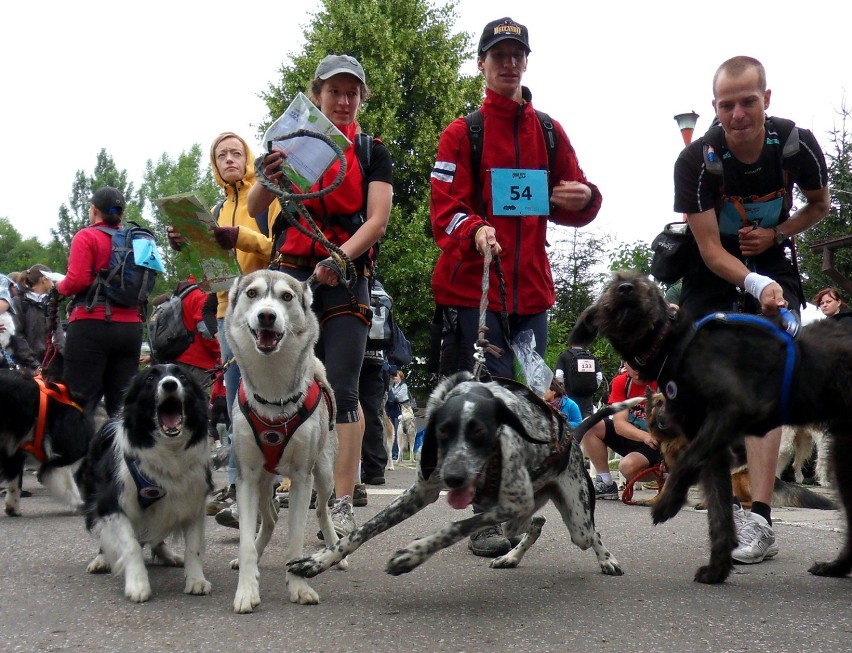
[
  {"x": 272, "y": 437},
  {"x": 47, "y": 390}
]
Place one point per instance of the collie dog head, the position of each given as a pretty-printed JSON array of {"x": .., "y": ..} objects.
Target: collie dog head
[
  {"x": 164, "y": 404},
  {"x": 266, "y": 308}
]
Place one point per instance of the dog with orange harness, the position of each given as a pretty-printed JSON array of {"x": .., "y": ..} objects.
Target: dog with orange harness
[{"x": 40, "y": 419}]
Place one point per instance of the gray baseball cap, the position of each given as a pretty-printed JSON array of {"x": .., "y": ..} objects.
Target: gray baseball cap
[{"x": 334, "y": 64}]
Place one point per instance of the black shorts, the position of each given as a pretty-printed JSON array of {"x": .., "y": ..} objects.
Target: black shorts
[{"x": 623, "y": 446}]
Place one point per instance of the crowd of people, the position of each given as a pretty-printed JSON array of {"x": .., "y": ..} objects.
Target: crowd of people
[{"x": 736, "y": 170}]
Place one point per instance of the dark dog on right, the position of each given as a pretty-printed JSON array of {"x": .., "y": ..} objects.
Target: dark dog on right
[{"x": 726, "y": 379}]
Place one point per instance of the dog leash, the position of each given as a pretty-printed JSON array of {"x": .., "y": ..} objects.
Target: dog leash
[{"x": 480, "y": 368}]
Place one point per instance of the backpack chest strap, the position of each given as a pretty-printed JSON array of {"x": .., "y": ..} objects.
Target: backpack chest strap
[{"x": 272, "y": 436}]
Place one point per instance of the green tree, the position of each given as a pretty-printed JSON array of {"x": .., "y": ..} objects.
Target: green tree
[
  {"x": 412, "y": 61},
  {"x": 17, "y": 253},
  {"x": 838, "y": 222},
  {"x": 74, "y": 215}
]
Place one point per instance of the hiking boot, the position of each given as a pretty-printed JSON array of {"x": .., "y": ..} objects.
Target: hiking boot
[
  {"x": 605, "y": 490},
  {"x": 230, "y": 517},
  {"x": 342, "y": 517},
  {"x": 221, "y": 500},
  {"x": 489, "y": 542},
  {"x": 359, "y": 496},
  {"x": 755, "y": 536},
  {"x": 283, "y": 499}
]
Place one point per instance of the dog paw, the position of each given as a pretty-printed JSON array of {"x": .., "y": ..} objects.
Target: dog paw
[
  {"x": 197, "y": 586},
  {"x": 138, "y": 592},
  {"x": 300, "y": 591},
  {"x": 507, "y": 561},
  {"x": 664, "y": 509},
  {"x": 402, "y": 562},
  {"x": 611, "y": 568},
  {"x": 170, "y": 560},
  {"x": 305, "y": 567},
  {"x": 99, "y": 565},
  {"x": 835, "y": 569},
  {"x": 343, "y": 565},
  {"x": 246, "y": 601},
  {"x": 712, "y": 574},
  {"x": 13, "y": 511},
  {"x": 235, "y": 563}
]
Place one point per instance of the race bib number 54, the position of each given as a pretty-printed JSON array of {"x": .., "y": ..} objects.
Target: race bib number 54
[{"x": 519, "y": 192}]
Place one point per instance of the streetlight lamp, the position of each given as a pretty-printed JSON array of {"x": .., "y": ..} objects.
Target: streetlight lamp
[{"x": 686, "y": 123}]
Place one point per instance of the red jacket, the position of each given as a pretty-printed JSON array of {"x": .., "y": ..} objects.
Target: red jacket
[
  {"x": 512, "y": 138},
  {"x": 203, "y": 352},
  {"x": 90, "y": 253}
]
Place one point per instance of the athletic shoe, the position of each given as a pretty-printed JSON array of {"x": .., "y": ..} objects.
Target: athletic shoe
[
  {"x": 374, "y": 480},
  {"x": 230, "y": 517},
  {"x": 221, "y": 500},
  {"x": 359, "y": 496},
  {"x": 755, "y": 536},
  {"x": 489, "y": 542},
  {"x": 604, "y": 490},
  {"x": 342, "y": 517}
]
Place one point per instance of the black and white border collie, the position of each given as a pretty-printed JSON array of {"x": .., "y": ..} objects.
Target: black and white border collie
[
  {"x": 146, "y": 477},
  {"x": 66, "y": 433}
]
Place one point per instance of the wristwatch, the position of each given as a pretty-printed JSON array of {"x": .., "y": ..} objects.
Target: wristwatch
[{"x": 779, "y": 236}]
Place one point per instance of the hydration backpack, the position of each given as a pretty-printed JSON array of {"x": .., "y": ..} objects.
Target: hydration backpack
[
  {"x": 131, "y": 273},
  {"x": 382, "y": 331},
  {"x": 581, "y": 379},
  {"x": 167, "y": 334}
]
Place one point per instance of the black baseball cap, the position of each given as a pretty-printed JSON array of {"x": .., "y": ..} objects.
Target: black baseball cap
[
  {"x": 500, "y": 30},
  {"x": 108, "y": 200}
]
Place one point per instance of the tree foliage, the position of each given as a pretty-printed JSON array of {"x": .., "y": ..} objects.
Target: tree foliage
[
  {"x": 412, "y": 61},
  {"x": 838, "y": 222}
]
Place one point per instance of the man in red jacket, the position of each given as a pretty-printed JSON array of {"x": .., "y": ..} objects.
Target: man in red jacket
[{"x": 470, "y": 216}]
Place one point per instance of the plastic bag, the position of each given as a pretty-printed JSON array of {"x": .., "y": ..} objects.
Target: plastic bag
[{"x": 536, "y": 374}]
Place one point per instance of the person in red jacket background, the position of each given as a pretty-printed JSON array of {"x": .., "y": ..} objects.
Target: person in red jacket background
[
  {"x": 202, "y": 357},
  {"x": 465, "y": 225},
  {"x": 101, "y": 353}
]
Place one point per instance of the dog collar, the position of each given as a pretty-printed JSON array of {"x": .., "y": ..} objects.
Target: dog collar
[
  {"x": 147, "y": 492},
  {"x": 643, "y": 360},
  {"x": 272, "y": 436}
]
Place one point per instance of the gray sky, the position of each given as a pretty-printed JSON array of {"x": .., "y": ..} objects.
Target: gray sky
[{"x": 140, "y": 79}]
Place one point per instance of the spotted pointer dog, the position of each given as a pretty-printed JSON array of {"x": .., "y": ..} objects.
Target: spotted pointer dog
[{"x": 499, "y": 445}]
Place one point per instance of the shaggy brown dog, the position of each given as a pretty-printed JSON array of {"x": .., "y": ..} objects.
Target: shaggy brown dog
[{"x": 726, "y": 376}]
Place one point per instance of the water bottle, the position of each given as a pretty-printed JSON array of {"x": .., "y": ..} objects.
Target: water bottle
[{"x": 789, "y": 321}]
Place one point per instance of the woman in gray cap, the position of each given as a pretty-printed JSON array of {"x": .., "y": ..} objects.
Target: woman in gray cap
[{"x": 353, "y": 217}]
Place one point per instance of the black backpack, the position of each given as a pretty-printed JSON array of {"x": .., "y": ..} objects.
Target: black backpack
[
  {"x": 125, "y": 281},
  {"x": 167, "y": 334},
  {"x": 581, "y": 379}
]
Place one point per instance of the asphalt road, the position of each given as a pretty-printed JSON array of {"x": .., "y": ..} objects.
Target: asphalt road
[{"x": 555, "y": 601}]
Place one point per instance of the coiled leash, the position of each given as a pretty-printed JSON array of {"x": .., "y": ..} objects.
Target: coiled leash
[
  {"x": 658, "y": 470},
  {"x": 337, "y": 261},
  {"x": 480, "y": 368}
]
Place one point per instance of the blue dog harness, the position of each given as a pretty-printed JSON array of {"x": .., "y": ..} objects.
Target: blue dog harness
[
  {"x": 771, "y": 329},
  {"x": 147, "y": 492}
]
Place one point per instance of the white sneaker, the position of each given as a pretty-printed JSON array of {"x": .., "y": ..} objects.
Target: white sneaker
[{"x": 755, "y": 536}]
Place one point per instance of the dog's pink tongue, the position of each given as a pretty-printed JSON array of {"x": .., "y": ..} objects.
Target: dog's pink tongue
[
  {"x": 460, "y": 497},
  {"x": 266, "y": 338}
]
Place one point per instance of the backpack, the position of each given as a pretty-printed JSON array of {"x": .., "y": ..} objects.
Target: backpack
[
  {"x": 475, "y": 128},
  {"x": 781, "y": 131},
  {"x": 127, "y": 280},
  {"x": 382, "y": 332},
  {"x": 581, "y": 379},
  {"x": 167, "y": 334}
]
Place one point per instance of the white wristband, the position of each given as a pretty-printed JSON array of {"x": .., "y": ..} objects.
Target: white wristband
[{"x": 755, "y": 284}]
